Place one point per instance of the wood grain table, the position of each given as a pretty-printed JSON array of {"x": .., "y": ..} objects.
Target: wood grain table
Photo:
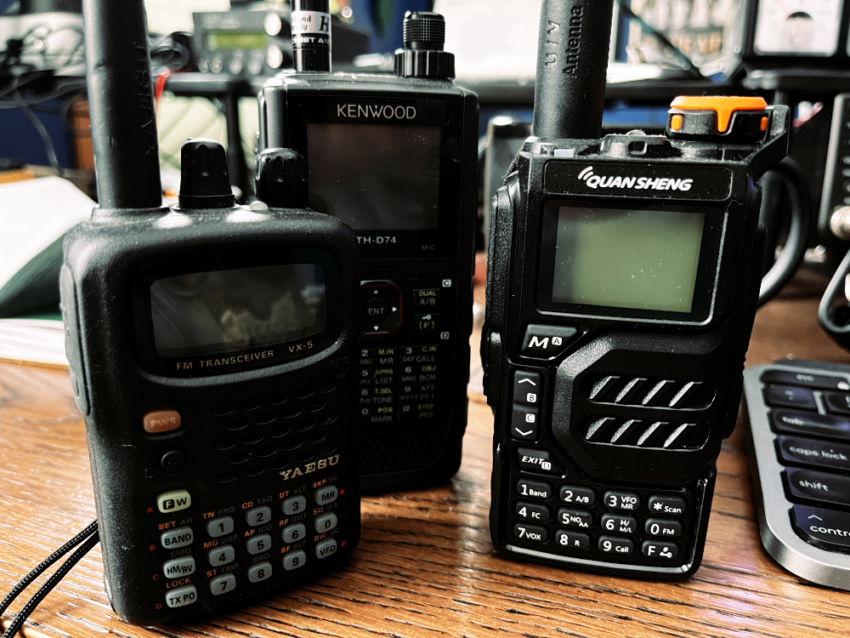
[{"x": 425, "y": 565}]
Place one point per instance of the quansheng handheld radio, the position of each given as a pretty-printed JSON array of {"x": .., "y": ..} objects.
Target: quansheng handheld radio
[
  {"x": 622, "y": 286},
  {"x": 211, "y": 347},
  {"x": 394, "y": 157}
]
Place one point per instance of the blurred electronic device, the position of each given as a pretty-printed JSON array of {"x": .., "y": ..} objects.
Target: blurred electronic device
[
  {"x": 834, "y": 217},
  {"x": 31, "y": 244},
  {"x": 623, "y": 279},
  {"x": 259, "y": 43},
  {"x": 799, "y": 423},
  {"x": 42, "y": 41},
  {"x": 394, "y": 156},
  {"x": 211, "y": 352},
  {"x": 789, "y": 33}
]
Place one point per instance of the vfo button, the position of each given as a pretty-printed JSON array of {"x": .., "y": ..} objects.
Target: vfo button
[{"x": 621, "y": 500}]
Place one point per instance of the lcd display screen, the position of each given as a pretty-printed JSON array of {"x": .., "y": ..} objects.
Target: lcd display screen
[
  {"x": 620, "y": 258},
  {"x": 375, "y": 177},
  {"x": 232, "y": 40},
  {"x": 226, "y": 310}
]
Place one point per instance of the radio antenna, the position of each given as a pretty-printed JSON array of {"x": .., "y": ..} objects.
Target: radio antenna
[
  {"x": 126, "y": 151},
  {"x": 311, "y": 35},
  {"x": 572, "y": 61}
]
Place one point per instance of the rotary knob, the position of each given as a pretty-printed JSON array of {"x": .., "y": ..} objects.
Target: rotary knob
[
  {"x": 423, "y": 55},
  {"x": 204, "y": 181}
]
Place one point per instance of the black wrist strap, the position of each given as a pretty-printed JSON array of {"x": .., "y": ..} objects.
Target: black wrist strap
[{"x": 86, "y": 539}]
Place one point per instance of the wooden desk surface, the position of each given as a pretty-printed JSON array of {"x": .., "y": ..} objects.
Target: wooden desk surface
[{"x": 425, "y": 565}]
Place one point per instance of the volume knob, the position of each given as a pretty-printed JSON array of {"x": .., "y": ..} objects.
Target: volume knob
[
  {"x": 204, "y": 181},
  {"x": 423, "y": 55}
]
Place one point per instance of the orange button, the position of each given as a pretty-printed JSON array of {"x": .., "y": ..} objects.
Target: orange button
[
  {"x": 157, "y": 421},
  {"x": 723, "y": 106},
  {"x": 676, "y": 122}
]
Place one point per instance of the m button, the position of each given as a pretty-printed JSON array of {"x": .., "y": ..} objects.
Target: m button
[{"x": 546, "y": 342}]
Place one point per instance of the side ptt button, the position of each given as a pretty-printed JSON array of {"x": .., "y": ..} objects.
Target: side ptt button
[{"x": 545, "y": 342}]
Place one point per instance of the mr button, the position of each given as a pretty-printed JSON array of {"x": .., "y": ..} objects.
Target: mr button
[{"x": 545, "y": 342}]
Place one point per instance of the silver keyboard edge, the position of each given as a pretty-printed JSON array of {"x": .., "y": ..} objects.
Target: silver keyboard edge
[{"x": 777, "y": 536}]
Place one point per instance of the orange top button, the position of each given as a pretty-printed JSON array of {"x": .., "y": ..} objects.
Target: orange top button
[
  {"x": 723, "y": 106},
  {"x": 158, "y": 421}
]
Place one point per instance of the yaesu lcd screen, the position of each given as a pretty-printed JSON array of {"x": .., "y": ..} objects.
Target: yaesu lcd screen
[
  {"x": 375, "y": 177},
  {"x": 621, "y": 258},
  {"x": 226, "y": 310}
]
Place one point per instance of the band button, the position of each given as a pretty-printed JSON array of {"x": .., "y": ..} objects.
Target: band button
[
  {"x": 538, "y": 490},
  {"x": 159, "y": 421}
]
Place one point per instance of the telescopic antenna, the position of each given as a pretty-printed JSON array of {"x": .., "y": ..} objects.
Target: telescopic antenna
[
  {"x": 126, "y": 152},
  {"x": 311, "y": 35},
  {"x": 572, "y": 61}
]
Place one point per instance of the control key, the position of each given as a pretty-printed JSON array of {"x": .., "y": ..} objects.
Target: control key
[{"x": 822, "y": 528}]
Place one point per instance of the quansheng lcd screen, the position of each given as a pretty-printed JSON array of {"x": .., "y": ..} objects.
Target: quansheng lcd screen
[
  {"x": 375, "y": 177},
  {"x": 226, "y": 310},
  {"x": 620, "y": 258}
]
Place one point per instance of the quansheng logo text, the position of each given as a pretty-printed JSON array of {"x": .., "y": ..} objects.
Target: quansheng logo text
[{"x": 635, "y": 183}]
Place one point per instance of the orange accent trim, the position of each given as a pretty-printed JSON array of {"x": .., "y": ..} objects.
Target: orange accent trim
[
  {"x": 676, "y": 122},
  {"x": 723, "y": 106},
  {"x": 763, "y": 124}
]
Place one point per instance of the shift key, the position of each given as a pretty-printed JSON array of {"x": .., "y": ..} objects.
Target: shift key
[
  {"x": 808, "y": 485},
  {"x": 799, "y": 451}
]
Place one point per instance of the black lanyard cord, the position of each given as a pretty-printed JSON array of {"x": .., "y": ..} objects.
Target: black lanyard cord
[{"x": 86, "y": 539}]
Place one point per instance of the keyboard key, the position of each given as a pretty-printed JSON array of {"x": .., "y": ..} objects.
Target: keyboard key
[
  {"x": 628, "y": 501},
  {"x": 619, "y": 523},
  {"x": 664, "y": 527},
  {"x": 524, "y": 422},
  {"x": 294, "y": 560},
  {"x": 181, "y": 596},
  {"x": 220, "y": 526},
  {"x": 538, "y": 490},
  {"x": 823, "y": 454},
  {"x": 260, "y": 572},
  {"x": 539, "y": 461},
  {"x": 810, "y": 423},
  {"x": 818, "y": 486},
  {"x": 222, "y": 584},
  {"x": 659, "y": 549},
  {"x": 805, "y": 380},
  {"x": 531, "y": 533},
  {"x": 578, "y": 495},
  {"x": 823, "y": 528},
  {"x": 615, "y": 545},
  {"x": 527, "y": 387},
  {"x": 789, "y": 397},
  {"x": 837, "y": 402},
  {"x": 532, "y": 512},
  {"x": 575, "y": 518},
  {"x": 664, "y": 504},
  {"x": 569, "y": 539}
]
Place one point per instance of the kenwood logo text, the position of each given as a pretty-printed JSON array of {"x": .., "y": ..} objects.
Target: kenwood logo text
[
  {"x": 635, "y": 183},
  {"x": 376, "y": 111}
]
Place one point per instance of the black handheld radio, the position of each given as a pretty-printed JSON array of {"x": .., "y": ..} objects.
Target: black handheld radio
[
  {"x": 210, "y": 348},
  {"x": 394, "y": 157},
  {"x": 622, "y": 287}
]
